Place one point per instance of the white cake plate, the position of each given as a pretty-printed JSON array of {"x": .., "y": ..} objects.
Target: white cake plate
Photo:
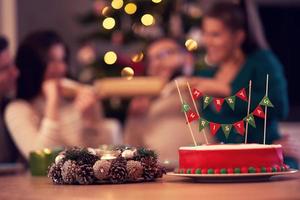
[{"x": 242, "y": 177}]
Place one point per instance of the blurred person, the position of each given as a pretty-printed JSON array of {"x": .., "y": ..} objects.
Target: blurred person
[
  {"x": 235, "y": 45},
  {"x": 41, "y": 117},
  {"x": 8, "y": 77},
  {"x": 157, "y": 122}
]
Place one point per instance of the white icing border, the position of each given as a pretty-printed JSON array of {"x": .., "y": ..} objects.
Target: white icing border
[{"x": 231, "y": 147}]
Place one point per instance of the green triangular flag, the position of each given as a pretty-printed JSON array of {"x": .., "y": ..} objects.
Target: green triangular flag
[
  {"x": 231, "y": 101},
  {"x": 206, "y": 101},
  {"x": 226, "y": 129},
  {"x": 266, "y": 102},
  {"x": 202, "y": 123},
  {"x": 250, "y": 120},
  {"x": 185, "y": 107}
]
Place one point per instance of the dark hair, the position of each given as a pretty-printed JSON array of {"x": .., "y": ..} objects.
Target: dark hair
[
  {"x": 32, "y": 59},
  {"x": 3, "y": 43},
  {"x": 234, "y": 16}
]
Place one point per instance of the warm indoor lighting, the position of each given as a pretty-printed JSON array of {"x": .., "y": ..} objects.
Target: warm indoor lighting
[
  {"x": 127, "y": 72},
  {"x": 105, "y": 11},
  {"x": 156, "y": 1},
  {"x": 137, "y": 57},
  {"x": 117, "y": 4},
  {"x": 191, "y": 44},
  {"x": 147, "y": 19},
  {"x": 110, "y": 57},
  {"x": 130, "y": 8},
  {"x": 109, "y": 23}
]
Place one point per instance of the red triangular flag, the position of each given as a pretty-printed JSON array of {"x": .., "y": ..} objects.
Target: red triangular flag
[
  {"x": 239, "y": 126},
  {"x": 258, "y": 112},
  {"x": 192, "y": 116},
  {"x": 214, "y": 127},
  {"x": 242, "y": 94},
  {"x": 218, "y": 103},
  {"x": 196, "y": 94}
]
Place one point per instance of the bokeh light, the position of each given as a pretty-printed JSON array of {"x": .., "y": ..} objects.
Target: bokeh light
[
  {"x": 137, "y": 57},
  {"x": 106, "y": 11},
  {"x": 147, "y": 19},
  {"x": 156, "y": 1},
  {"x": 130, "y": 8},
  {"x": 109, "y": 23},
  {"x": 191, "y": 44},
  {"x": 117, "y": 4},
  {"x": 110, "y": 57},
  {"x": 127, "y": 72}
]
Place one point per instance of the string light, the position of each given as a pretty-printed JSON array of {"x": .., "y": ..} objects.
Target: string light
[
  {"x": 127, "y": 72},
  {"x": 191, "y": 44},
  {"x": 156, "y": 1},
  {"x": 147, "y": 19},
  {"x": 137, "y": 57},
  {"x": 109, "y": 23},
  {"x": 117, "y": 4},
  {"x": 130, "y": 8},
  {"x": 110, "y": 57},
  {"x": 105, "y": 11}
]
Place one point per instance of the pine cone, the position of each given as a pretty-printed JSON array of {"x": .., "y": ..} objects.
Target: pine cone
[
  {"x": 68, "y": 172},
  {"x": 85, "y": 174},
  {"x": 150, "y": 168},
  {"x": 55, "y": 173},
  {"x": 160, "y": 171},
  {"x": 101, "y": 169},
  {"x": 134, "y": 169},
  {"x": 118, "y": 172}
]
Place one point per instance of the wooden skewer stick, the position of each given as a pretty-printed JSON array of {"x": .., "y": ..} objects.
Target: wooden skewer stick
[
  {"x": 190, "y": 128},
  {"x": 204, "y": 132},
  {"x": 248, "y": 111},
  {"x": 266, "y": 109}
]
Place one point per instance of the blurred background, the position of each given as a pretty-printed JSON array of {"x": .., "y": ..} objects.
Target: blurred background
[{"x": 92, "y": 28}]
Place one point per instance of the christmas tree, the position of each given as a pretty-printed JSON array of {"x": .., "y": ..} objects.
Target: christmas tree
[{"x": 120, "y": 31}]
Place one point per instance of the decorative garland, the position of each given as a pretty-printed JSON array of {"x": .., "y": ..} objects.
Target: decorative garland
[
  {"x": 89, "y": 166},
  {"x": 218, "y": 102}
]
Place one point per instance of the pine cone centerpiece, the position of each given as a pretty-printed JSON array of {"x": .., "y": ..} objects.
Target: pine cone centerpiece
[
  {"x": 83, "y": 166},
  {"x": 85, "y": 174},
  {"x": 118, "y": 172}
]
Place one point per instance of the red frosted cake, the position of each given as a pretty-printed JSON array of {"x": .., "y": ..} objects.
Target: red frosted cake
[{"x": 231, "y": 158}]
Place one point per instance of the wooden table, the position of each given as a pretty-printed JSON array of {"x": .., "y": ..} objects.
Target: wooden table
[{"x": 27, "y": 187}]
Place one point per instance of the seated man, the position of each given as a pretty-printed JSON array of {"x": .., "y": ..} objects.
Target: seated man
[
  {"x": 157, "y": 123},
  {"x": 8, "y": 76}
]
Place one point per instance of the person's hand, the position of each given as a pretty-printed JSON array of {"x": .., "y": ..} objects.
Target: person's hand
[
  {"x": 51, "y": 89},
  {"x": 52, "y": 92},
  {"x": 290, "y": 147},
  {"x": 86, "y": 102},
  {"x": 139, "y": 105}
]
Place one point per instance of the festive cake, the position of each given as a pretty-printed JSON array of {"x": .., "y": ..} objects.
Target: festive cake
[{"x": 231, "y": 158}]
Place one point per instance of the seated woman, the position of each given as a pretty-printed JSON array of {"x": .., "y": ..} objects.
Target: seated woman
[
  {"x": 41, "y": 117},
  {"x": 157, "y": 123},
  {"x": 239, "y": 56}
]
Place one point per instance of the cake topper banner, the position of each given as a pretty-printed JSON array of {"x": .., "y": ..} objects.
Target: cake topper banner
[
  {"x": 218, "y": 102},
  {"x": 226, "y": 128}
]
